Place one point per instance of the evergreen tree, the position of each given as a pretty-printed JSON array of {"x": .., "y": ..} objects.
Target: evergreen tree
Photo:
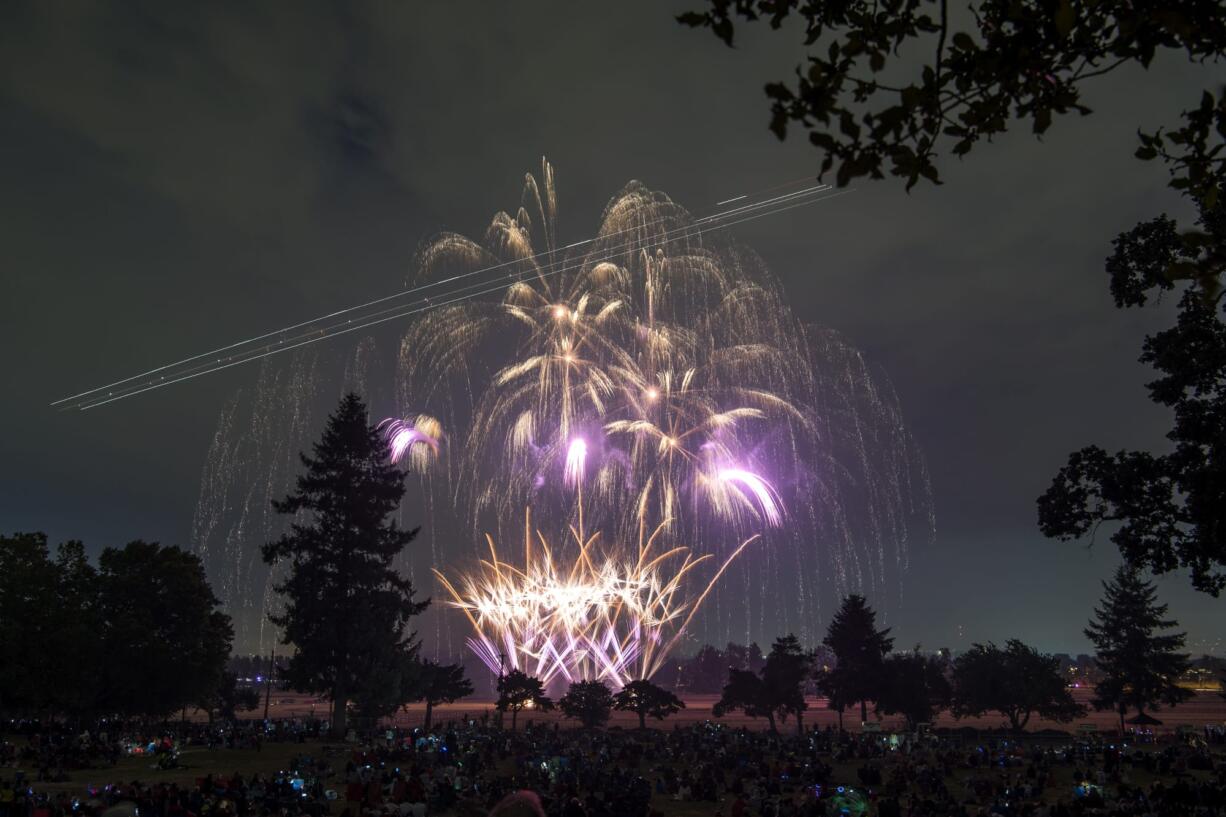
[
  {"x": 588, "y": 702},
  {"x": 644, "y": 698},
  {"x": 788, "y": 667},
  {"x": 347, "y": 609},
  {"x": 859, "y": 650},
  {"x": 518, "y": 690},
  {"x": 1139, "y": 662}
]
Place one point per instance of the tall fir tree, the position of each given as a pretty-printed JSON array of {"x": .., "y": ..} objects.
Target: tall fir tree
[
  {"x": 1140, "y": 663},
  {"x": 859, "y": 650},
  {"x": 347, "y": 610}
]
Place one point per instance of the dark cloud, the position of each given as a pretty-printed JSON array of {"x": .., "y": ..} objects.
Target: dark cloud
[{"x": 179, "y": 176}]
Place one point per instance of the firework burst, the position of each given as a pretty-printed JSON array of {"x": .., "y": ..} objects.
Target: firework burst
[
  {"x": 653, "y": 378},
  {"x": 599, "y": 614},
  {"x": 656, "y": 376}
]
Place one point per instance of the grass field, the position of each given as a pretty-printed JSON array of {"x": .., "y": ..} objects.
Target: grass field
[{"x": 1205, "y": 708}]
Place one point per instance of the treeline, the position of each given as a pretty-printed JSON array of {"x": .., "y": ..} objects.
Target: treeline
[
  {"x": 1138, "y": 656},
  {"x": 141, "y": 635},
  {"x": 855, "y": 668},
  {"x": 138, "y": 635}
]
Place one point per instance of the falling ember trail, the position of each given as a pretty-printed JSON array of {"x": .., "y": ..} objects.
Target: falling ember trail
[{"x": 652, "y": 382}]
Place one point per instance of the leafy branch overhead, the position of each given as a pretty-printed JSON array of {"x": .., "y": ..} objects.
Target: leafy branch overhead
[
  {"x": 891, "y": 86},
  {"x": 888, "y": 86}
]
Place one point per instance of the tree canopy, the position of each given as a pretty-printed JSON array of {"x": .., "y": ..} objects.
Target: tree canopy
[
  {"x": 891, "y": 86},
  {"x": 435, "y": 683},
  {"x": 1168, "y": 511},
  {"x": 140, "y": 635},
  {"x": 518, "y": 691},
  {"x": 589, "y": 702},
  {"x": 347, "y": 609},
  {"x": 788, "y": 666},
  {"x": 914, "y": 686},
  {"x": 165, "y": 641},
  {"x": 1139, "y": 661},
  {"x": 745, "y": 691},
  {"x": 776, "y": 692},
  {"x": 644, "y": 699},
  {"x": 1017, "y": 682},
  {"x": 859, "y": 650}
]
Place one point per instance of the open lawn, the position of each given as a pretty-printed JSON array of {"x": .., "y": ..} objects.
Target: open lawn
[{"x": 1205, "y": 708}]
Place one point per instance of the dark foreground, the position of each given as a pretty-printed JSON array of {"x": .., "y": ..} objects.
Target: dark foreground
[{"x": 245, "y": 770}]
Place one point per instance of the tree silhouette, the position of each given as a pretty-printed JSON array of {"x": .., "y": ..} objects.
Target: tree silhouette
[
  {"x": 141, "y": 635},
  {"x": 859, "y": 650},
  {"x": 1139, "y": 663},
  {"x": 788, "y": 666},
  {"x": 48, "y": 618},
  {"x": 588, "y": 702},
  {"x": 164, "y": 639},
  {"x": 1017, "y": 682},
  {"x": 1028, "y": 60},
  {"x": 517, "y": 690},
  {"x": 1171, "y": 507},
  {"x": 741, "y": 656},
  {"x": 1023, "y": 59},
  {"x": 775, "y": 693},
  {"x": 746, "y": 691},
  {"x": 436, "y": 683},
  {"x": 914, "y": 686},
  {"x": 702, "y": 673},
  {"x": 227, "y": 699},
  {"x": 644, "y": 698},
  {"x": 346, "y": 608}
]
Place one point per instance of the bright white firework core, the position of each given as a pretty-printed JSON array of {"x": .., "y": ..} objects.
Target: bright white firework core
[
  {"x": 764, "y": 495},
  {"x": 576, "y": 458}
]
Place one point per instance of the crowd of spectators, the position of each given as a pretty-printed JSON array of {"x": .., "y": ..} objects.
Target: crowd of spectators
[{"x": 474, "y": 767}]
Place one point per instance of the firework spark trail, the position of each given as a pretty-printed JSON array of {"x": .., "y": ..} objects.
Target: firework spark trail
[
  {"x": 674, "y": 355},
  {"x": 307, "y": 332},
  {"x": 610, "y": 616},
  {"x": 250, "y": 461},
  {"x": 95, "y": 398},
  {"x": 698, "y": 395}
]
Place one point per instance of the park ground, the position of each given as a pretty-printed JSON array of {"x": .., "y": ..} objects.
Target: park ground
[
  {"x": 1204, "y": 708},
  {"x": 199, "y": 762}
]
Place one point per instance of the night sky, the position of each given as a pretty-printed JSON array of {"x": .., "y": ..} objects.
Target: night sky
[{"x": 174, "y": 179}]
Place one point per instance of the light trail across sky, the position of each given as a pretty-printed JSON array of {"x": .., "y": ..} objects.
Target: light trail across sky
[{"x": 442, "y": 292}]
